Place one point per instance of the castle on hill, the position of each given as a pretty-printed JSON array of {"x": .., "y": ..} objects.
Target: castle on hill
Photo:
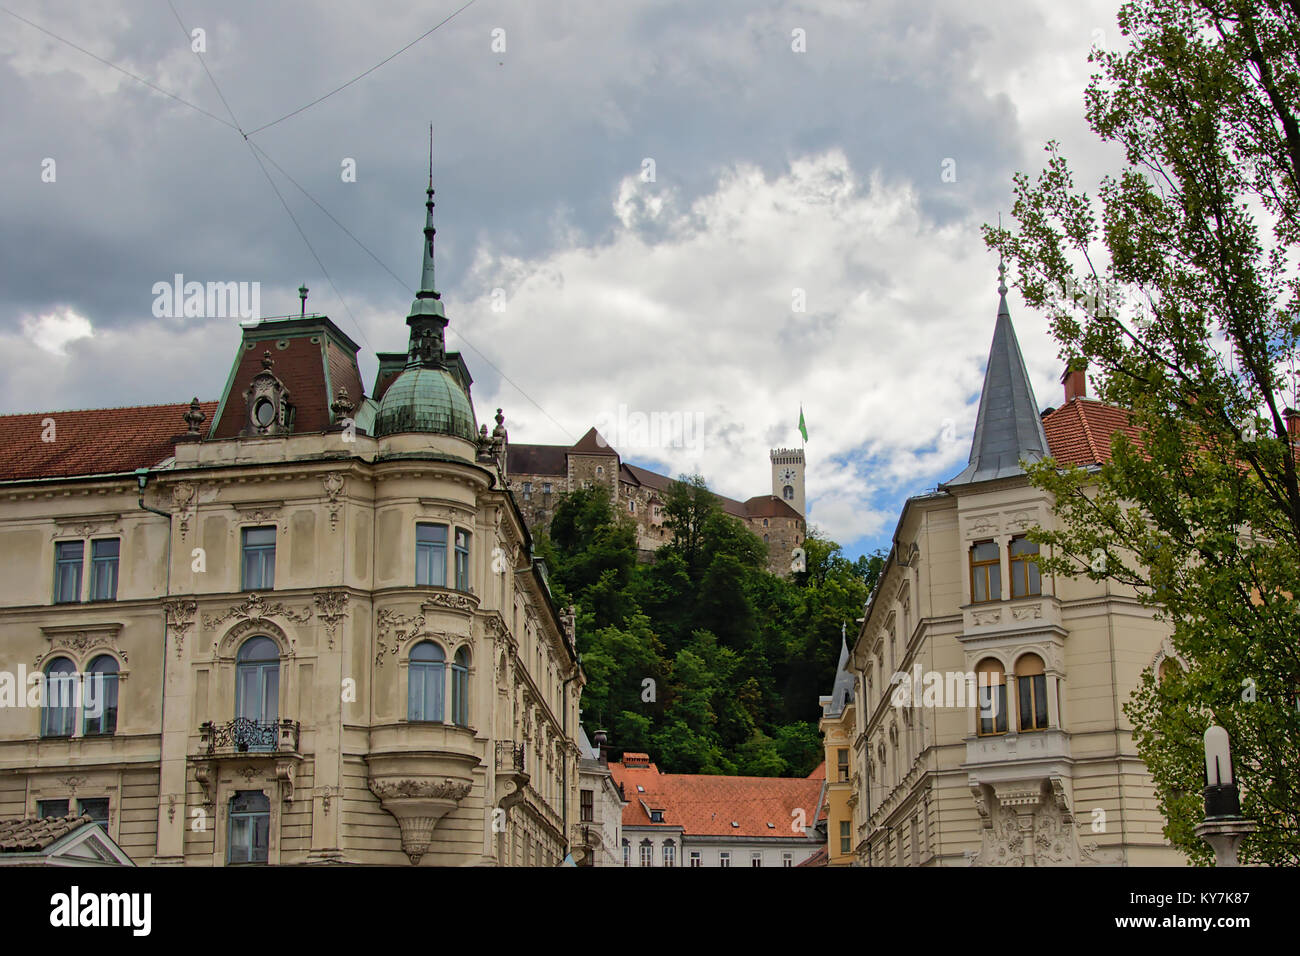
[{"x": 540, "y": 474}]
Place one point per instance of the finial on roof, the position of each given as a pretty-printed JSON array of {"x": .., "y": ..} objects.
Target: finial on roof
[
  {"x": 194, "y": 417},
  {"x": 302, "y": 294}
]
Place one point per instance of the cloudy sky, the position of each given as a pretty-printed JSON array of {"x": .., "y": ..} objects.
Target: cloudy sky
[{"x": 678, "y": 221}]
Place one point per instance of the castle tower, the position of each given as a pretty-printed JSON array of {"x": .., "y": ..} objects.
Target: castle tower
[{"x": 787, "y": 477}]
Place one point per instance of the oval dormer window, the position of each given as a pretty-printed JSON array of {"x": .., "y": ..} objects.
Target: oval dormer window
[{"x": 264, "y": 412}]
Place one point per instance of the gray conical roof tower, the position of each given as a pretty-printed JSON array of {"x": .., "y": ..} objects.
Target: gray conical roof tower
[
  {"x": 1008, "y": 427},
  {"x": 842, "y": 691}
]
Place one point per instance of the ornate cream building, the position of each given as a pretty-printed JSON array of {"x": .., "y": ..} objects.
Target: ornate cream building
[
  {"x": 989, "y": 727},
  {"x": 297, "y": 625}
]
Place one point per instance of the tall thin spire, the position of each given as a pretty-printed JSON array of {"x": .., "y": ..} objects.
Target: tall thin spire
[
  {"x": 427, "y": 320},
  {"x": 1008, "y": 427},
  {"x": 427, "y": 285}
]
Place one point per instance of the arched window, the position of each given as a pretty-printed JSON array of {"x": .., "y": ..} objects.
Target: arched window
[
  {"x": 985, "y": 573},
  {"x": 764, "y": 522},
  {"x": 788, "y": 493},
  {"x": 647, "y": 853},
  {"x": 257, "y": 681},
  {"x": 1024, "y": 569},
  {"x": 1031, "y": 691},
  {"x": 425, "y": 682},
  {"x": 1169, "y": 667},
  {"x": 99, "y": 700},
  {"x": 60, "y": 698},
  {"x": 627, "y": 853},
  {"x": 992, "y": 697},
  {"x": 670, "y": 853},
  {"x": 460, "y": 688}
]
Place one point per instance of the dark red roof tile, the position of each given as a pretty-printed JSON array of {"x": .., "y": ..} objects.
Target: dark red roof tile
[{"x": 92, "y": 441}]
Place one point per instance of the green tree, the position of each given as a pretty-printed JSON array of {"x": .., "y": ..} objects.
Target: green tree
[{"x": 1176, "y": 286}]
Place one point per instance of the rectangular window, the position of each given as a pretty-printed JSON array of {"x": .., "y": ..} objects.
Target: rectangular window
[
  {"x": 528, "y": 489},
  {"x": 787, "y": 859},
  {"x": 259, "y": 559},
  {"x": 51, "y": 808},
  {"x": 431, "y": 555},
  {"x": 546, "y": 488},
  {"x": 985, "y": 573},
  {"x": 724, "y": 859},
  {"x": 67, "y": 571},
  {"x": 1032, "y": 692},
  {"x": 916, "y": 847},
  {"x": 845, "y": 837},
  {"x": 627, "y": 854},
  {"x": 250, "y": 827},
  {"x": 647, "y": 854},
  {"x": 103, "y": 569},
  {"x": 993, "y": 708},
  {"x": 588, "y": 807},
  {"x": 842, "y": 761},
  {"x": 1025, "y": 581},
  {"x": 755, "y": 859},
  {"x": 670, "y": 854},
  {"x": 462, "y": 560},
  {"x": 97, "y": 809},
  {"x": 695, "y": 858}
]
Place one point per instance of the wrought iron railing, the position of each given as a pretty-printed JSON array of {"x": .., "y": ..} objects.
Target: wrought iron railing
[
  {"x": 510, "y": 756},
  {"x": 245, "y": 735}
]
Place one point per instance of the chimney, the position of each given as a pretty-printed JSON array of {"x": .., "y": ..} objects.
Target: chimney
[
  {"x": 1075, "y": 382},
  {"x": 1292, "y": 422}
]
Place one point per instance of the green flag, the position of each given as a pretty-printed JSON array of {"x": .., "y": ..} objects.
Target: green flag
[{"x": 803, "y": 429}]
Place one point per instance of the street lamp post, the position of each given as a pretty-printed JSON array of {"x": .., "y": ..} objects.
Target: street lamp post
[{"x": 1224, "y": 827}]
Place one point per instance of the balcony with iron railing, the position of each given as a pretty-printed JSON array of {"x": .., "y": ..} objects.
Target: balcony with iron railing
[
  {"x": 243, "y": 735},
  {"x": 510, "y": 757}
]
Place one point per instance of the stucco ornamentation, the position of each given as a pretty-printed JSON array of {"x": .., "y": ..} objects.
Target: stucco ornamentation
[
  {"x": 333, "y": 483},
  {"x": 331, "y": 609},
  {"x": 180, "y": 615},
  {"x": 447, "y": 789},
  {"x": 185, "y": 503},
  {"x": 388, "y": 623},
  {"x": 256, "y": 609}
]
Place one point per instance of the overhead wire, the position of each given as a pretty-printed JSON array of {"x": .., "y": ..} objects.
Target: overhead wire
[{"x": 259, "y": 154}]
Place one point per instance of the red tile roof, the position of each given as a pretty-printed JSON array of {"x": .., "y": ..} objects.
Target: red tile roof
[
  {"x": 22, "y": 836},
  {"x": 821, "y": 858},
  {"x": 707, "y": 805},
  {"x": 1079, "y": 432},
  {"x": 92, "y": 441}
]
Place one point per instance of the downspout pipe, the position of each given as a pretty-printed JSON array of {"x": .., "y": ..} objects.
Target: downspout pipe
[{"x": 564, "y": 764}]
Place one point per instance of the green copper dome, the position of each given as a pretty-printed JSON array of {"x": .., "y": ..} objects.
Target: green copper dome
[{"x": 426, "y": 400}]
